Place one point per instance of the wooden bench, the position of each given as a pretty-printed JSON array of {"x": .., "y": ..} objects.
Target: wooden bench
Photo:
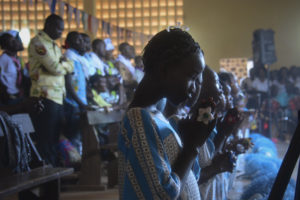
[
  {"x": 46, "y": 178},
  {"x": 90, "y": 174}
]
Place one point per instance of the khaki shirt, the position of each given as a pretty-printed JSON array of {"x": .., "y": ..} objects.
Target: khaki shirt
[{"x": 46, "y": 70}]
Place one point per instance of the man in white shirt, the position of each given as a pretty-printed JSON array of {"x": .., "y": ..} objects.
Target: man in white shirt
[
  {"x": 260, "y": 83},
  {"x": 99, "y": 51},
  {"x": 95, "y": 63},
  {"x": 126, "y": 68}
]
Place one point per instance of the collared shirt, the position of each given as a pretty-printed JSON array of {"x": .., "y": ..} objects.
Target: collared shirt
[
  {"x": 96, "y": 64},
  {"x": 46, "y": 69},
  {"x": 9, "y": 73}
]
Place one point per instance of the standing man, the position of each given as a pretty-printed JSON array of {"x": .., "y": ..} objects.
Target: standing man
[
  {"x": 127, "y": 70},
  {"x": 47, "y": 70},
  {"x": 76, "y": 100}
]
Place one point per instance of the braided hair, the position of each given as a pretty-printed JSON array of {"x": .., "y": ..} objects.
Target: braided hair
[{"x": 168, "y": 47}]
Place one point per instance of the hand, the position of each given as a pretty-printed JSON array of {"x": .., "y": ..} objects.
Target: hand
[
  {"x": 194, "y": 112},
  {"x": 239, "y": 146},
  {"x": 230, "y": 122},
  {"x": 224, "y": 162},
  {"x": 33, "y": 104},
  {"x": 63, "y": 59},
  {"x": 84, "y": 108},
  {"x": 194, "y": 133}
]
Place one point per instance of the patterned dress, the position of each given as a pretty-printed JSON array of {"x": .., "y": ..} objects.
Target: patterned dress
[{"x": 148, "y": 146}]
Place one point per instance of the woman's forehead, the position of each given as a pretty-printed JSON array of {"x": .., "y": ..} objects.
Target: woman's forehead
[{"x": 195, "y": 62}]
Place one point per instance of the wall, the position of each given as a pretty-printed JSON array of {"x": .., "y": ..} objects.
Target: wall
[{"x": 224, "y": 28}]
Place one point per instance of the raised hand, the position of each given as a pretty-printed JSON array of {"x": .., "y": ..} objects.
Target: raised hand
[
  {"x": 224, "y": 162},
  {"x": 230, "y": 122},
  {"x": 239, "y": 146},
  {"x": 195, "y": 133}
]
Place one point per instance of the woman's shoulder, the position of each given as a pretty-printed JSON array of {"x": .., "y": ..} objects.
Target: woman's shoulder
[{"x": 137, "y": 111}]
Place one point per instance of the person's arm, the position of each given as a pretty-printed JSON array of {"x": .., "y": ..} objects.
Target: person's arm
[
  {"x": 219, "y": 139},
  {"x": 227, "y": 126},
  {"x": 193, "y": 134},
  {"x": 71, "y": 91},
  {"x": 122, "y": 96},
  {"x": 223, "y": 162},
  {"x": 60, "y": 66}
]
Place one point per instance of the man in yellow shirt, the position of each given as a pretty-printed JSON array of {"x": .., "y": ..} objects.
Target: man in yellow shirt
[{"x": 47, "y": 70}]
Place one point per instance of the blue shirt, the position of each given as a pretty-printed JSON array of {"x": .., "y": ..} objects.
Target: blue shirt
[{"x": 78, "y": 83}]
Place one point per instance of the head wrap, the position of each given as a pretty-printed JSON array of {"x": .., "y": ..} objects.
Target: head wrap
[{"x": 108, "y": 44}]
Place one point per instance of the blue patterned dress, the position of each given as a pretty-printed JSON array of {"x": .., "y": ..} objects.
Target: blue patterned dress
[{"x": 148, "y": 146}]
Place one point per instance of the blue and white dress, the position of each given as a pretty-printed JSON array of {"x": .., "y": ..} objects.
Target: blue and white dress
[{"x": 148, "y": 146}]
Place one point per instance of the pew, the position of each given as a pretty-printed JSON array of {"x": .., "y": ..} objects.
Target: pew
[
  {"x": 45, "y": 178},
  {"x": 91, "y": 164}
]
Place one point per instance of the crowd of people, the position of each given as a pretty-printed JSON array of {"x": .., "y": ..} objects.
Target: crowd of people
[
  {"x": 278, "y": 94},
  {"x": 82, "y": 76},
  {"x": 183, "y": 126}
]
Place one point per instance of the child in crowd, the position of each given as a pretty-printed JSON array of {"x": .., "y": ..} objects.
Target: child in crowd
[{"x": 99, "y": 86}]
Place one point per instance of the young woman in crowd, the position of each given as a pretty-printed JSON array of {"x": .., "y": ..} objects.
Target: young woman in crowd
[{"x": 154, "y": 162}]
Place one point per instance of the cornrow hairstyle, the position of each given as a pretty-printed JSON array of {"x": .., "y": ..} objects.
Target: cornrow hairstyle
[
  {"x": 168, "y": 47},
  {"x": 96, "y": 42}
]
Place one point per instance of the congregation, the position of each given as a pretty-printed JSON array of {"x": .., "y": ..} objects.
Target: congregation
[{"x": 184, "y": 124}]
